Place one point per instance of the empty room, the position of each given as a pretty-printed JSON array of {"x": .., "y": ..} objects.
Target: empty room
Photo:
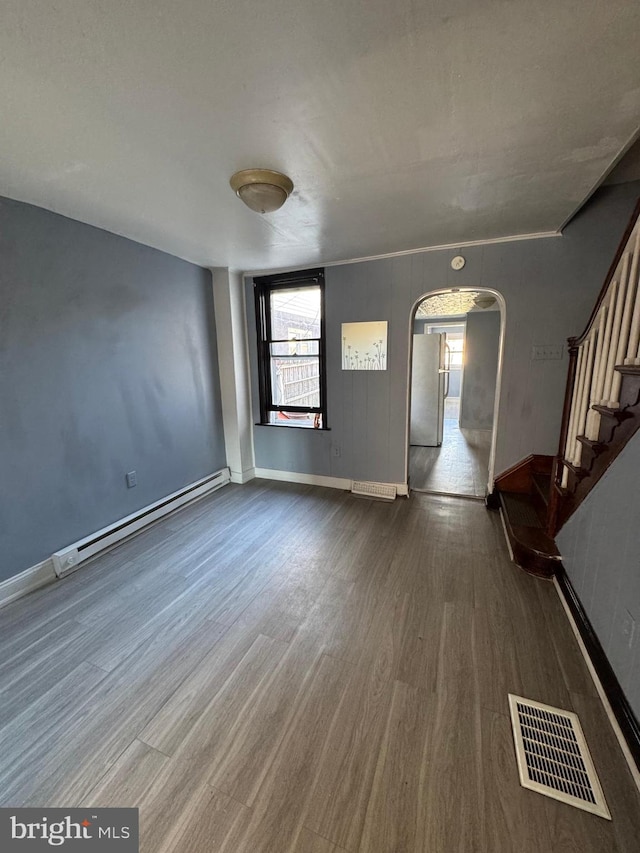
[{"x": 319, "y": 410}]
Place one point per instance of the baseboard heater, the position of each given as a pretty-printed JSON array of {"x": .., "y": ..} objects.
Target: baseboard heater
[
  {"x": 68, "y": 559},
  {"x": 382, "y": 491}
]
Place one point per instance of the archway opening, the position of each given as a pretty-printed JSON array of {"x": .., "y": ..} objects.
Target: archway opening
[{"x": 455, "y": 366}]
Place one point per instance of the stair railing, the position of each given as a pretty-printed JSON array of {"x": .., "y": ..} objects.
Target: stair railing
[{"x": 611, "y": 339}]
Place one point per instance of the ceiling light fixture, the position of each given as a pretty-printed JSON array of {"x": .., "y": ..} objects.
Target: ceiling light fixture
[
  {"x": 263, "y": 190},
  {"x": 484, "y": 300}
]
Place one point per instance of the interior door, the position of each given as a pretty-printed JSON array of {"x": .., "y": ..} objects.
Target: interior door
[{"x": 427, "y": 390}]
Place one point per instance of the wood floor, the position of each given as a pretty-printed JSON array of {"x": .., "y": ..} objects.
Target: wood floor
[
  {"x": 460, "y": 466},
  {"x": 286, "y": 668}
]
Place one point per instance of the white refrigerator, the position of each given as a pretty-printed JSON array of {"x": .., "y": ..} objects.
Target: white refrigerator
[{"x": 429, "y": 387}]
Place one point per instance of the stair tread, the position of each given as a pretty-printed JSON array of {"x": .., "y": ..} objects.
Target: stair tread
[
  {"x": 593, "y": 443},
  {"x": 618, "y": 414},
  {"x": 520, "y": 510},
  {"x": 536, "y": 540},
  {"x": 525, "y": 526},
  {"x": 629, "y": 369},
  {"x": 542, "y": 483},
  {"x": 577, "y": 470},
  {"x": 525, "y": 523}
]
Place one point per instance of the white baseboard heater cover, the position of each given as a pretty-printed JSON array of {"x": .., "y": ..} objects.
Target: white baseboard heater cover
[
  {"x": 68, "y": 559},
  {"x": 385, "y": 491}
]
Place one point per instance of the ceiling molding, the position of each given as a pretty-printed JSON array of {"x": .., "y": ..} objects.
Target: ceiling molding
[{"x": 451, "y": 247}]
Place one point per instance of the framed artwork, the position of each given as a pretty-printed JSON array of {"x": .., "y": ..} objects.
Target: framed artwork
[{"x": 364, "y": 346}]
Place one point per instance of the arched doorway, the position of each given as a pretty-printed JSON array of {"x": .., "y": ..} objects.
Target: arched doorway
[{"x": 455, "y": 365}]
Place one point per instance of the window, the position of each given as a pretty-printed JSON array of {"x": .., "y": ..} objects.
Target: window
[
  {"x": 454, "y": 336},
  {"x": 456, "y": 347},
  {"x": 291, "y": 349}
]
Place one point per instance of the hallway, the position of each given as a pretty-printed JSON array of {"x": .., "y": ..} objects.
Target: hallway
[
  {"x": 290, "y": 668},
  {"x": 460, "y": 466}
]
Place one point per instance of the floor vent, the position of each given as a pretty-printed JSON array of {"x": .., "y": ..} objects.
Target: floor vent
[
  {"x": 385, "y": 491},
  {"x": 553, "y": 757}
]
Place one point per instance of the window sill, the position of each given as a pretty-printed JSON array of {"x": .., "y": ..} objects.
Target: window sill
[{"x": 292, "y": 426}]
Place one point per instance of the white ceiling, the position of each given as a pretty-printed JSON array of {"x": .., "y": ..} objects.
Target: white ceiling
[{"x": 403, "y": 124}]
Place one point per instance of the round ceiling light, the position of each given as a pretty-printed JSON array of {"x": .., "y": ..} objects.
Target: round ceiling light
[
  {"x": 263, "y": 190},
  {"x": 484, "y": 300}
]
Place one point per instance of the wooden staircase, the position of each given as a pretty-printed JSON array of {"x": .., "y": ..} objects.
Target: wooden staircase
[
  {"x": 523, "y": 494},
  {"x": 616, "y": 426},
  {"x": 601, "y": 413}
]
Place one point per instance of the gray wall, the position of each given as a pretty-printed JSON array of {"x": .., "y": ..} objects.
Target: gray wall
[
  {"x": 600, "y": 545},
  {"x": 549, "y": 285},
  {"x": 481, "y": 341},
  {"x": 107, "y": 364}
]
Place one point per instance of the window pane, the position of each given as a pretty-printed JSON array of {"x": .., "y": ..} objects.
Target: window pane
[
  {"x": 295, "y": 313},
  {"x": 295, "y": 348},
  {"x": 456, "y": 349},
  {"x": 312, "y": 420},
  {"x": 295, "y": 381}
]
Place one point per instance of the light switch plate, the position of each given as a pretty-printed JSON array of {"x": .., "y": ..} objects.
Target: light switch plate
[{"x": 547, "y": 352}]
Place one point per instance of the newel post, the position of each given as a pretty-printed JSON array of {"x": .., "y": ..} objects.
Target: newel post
[{"x": 556, "y": 476}]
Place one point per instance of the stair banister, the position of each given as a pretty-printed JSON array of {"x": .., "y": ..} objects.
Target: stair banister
[{"x": 610, "y": 339}]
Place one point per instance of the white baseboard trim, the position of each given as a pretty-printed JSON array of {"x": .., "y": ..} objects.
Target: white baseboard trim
[
  {"x": 317, "y": 480},
  {"x": 601, "y": 691},
  {"x": 45, "y": 572},
  {"x": 242, "y": 477},
  {"x": 68, "y": 559},
  {"x": 506, "y": 537},
  {"x": 27, "y": 581},
  {"x": 306, "y": 479}
]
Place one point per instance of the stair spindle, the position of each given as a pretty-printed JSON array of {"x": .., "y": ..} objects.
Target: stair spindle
[
  {"x": 625, "y": 329},
  {"x": 577, "y": 400},
  {"x": 568, "y": 448},
  {"x": 599, "y": 364},
  {"x": 577, "y": 397},
  {"x": 584, "y": 398},
  {"x": 615, "y": 334},
  {"x": 634, "y": 334}
]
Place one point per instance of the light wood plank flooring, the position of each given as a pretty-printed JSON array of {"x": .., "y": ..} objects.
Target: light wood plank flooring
[{"x": 285, "y": 668}]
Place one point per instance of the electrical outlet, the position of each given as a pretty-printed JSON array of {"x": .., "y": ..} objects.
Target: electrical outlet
[
  {"x": 337, "y": 450},
  {"x": 546, "y": 352},
  {"x": 132, "y": 479},
  {"x": 629, "y": 628}
]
